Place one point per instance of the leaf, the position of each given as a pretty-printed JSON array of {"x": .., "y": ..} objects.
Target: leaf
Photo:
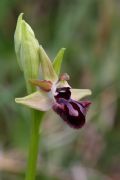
[
  {"x": 78, "y": 94},
  {"x": 58, "y": 61},
  {"x": 39, "y": 100}
]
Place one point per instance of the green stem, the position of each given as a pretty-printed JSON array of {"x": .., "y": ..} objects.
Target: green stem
[{"x": 34, "y": 145}]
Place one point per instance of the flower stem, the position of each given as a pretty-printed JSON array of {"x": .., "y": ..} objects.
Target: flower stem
[{"x": 34, "y": 145}]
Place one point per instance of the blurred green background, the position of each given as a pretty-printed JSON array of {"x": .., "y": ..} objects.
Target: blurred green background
[{"x": 90, "y": 31}]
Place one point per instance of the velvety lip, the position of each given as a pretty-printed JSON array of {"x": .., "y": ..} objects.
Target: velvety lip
[{"x": 71, "y": 111}]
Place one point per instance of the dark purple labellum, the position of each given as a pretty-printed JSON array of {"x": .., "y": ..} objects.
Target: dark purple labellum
[{"x": 71, "y": 111}]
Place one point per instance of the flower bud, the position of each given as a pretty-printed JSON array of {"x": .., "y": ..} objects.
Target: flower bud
[{"x": 27, "y": 51}]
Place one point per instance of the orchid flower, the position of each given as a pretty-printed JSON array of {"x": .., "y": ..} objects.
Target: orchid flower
[{"x": 55, "y": 93}]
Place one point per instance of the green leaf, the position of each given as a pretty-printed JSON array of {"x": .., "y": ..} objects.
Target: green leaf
[
  {"x": 58, "y": 61},
  {"x": 78, "y": 94},
  {"x": 47, "y": 67},
  {"x": 39, "y": 100}
]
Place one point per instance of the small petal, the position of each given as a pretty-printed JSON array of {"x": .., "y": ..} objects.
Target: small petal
[
  {"x": 43, "y": 84},
  {"x": 58, "y": 61},
  {"x": 47, "y": 67},
  {"x": 78, "y": 94},
  {"x": 39, "y": 100}
]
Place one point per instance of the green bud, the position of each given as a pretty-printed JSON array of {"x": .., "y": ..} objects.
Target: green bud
[{"x": 27, "y": 51}]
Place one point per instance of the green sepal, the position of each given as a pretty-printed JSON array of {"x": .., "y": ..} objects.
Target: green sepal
[
  {"x": 39, "y": 100},
  {"x": 47, "y": 67},
  {"x": 78, "y": 94},
  {"x": 58, "y": 61}
]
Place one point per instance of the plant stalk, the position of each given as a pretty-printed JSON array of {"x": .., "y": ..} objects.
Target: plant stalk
[{"x": 34, "y": 145}]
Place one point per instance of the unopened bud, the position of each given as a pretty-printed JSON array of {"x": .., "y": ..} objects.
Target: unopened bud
[{"x": 27, "y": 51}]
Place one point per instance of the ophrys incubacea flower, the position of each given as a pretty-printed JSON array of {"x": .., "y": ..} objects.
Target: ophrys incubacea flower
[{"x": 55, "y": 93}]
